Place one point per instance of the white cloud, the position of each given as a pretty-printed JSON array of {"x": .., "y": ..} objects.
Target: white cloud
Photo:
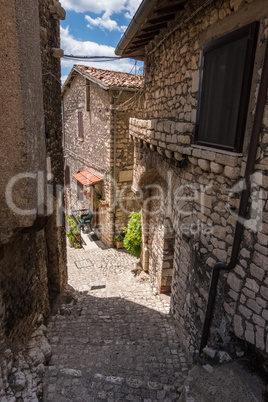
[
  {"x": 104, "y": 22},
  {"x": 79, "y": 48},
  {"x": 109, "y": 7},
  {"x": 72, "y": 46}
]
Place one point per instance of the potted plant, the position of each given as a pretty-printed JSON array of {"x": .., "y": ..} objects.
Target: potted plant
[{"x": 119, "y": 240}]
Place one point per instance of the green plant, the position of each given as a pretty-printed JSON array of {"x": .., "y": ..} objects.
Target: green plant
[
  {"x": 74, "y": 230},
  {"x": 74, "y": 227},
  {"x": 119, "y": 237},
  {"x": 133, "y": 234},
  {"x": 97, "y": 199}
]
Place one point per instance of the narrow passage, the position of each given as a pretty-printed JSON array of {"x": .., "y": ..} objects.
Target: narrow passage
[{"x": 112, "y": 340}]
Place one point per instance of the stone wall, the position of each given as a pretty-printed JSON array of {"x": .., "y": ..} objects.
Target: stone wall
[
  {"x": 199, "y": 180},
  {"x": 51, "y": 73},
  {"x": 25, "y": 222},
  {"x": 128, "y": 104}
]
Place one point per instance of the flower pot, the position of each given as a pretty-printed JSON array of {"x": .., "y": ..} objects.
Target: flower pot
[
  {"x": 78, "y": 238},
  {"x": 119, "y": 244}
]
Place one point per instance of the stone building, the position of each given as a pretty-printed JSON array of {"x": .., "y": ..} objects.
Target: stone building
[
  {"x": 32, "y": 237},
  {"x": 97, "y": 105},
  {"x": 205, "y": 92}
]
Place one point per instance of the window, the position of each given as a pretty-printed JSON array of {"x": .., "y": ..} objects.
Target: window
[
  {"x": 80, "y": 194},
  {"x": 80, "y": 126},
  {"x": 87, "y": 95},
  {"x": 227, "y": 68},
  {"x": 67, "y": 177}
]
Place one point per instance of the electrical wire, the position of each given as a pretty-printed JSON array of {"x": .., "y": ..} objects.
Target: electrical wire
[{"x": 94, "y": 58}]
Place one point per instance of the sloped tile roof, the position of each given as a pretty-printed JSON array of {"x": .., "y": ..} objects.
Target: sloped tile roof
[
  {"x": 86, "y": 177},
  {"x": 112, "y": 78}
]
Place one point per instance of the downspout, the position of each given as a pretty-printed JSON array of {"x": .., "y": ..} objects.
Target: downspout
[{"x": 243, "y": 207}]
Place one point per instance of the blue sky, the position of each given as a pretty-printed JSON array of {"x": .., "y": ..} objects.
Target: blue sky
[{"x": 94, "y": 28}]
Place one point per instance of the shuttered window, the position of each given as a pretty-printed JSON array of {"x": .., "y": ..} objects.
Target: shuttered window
[
  {"x": 87, "y": 95},
  {"x": 80, "y": 194},
  {"x": 67, "y": 177},
  {"x": 227, "y": 68},
  {"x": 80, "y": 126}
]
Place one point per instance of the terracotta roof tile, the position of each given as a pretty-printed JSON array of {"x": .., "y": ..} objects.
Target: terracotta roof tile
[
  {"x": 112, "y": 78},
  {"x": 86, "y": 177}
]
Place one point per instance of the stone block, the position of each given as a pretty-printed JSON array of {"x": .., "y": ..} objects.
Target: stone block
[
  {"x": 245, "y": 312},
  {"x": 253, "y": 305},
  {"x": 226, "y": 159},
  {"x": 167, "y": 126},
  {"x": 216, "y": 167},
  {"x": 252, "y": 285},
  {"x": 250, "y": 336},
  {"x": 232, "y": 172},
  {"x": 126, "y": 175},
  {"x": 234, "y": 282},
  {"x": 208, "y": 155},
  {"x": 169, "y": 154},
  {"x": 265, "y": 315},
  {"x": 264, "y": 292},
  {"x": 233, "y": 295},
  {"x": 194, "y": 161},
  {"x": 249, "y": 293},
  {"x": 261, "y": 302},
  {"x": 184, "y": 139},
  {"x": 178, "y": 156},
  {"x": 256, "y": 272},
  {"x": 196, "y": 152},
  {"x": 220, "y": 254},
  {"x": 260, "y": 340},
  {"x": 204, "y": 165},
  {"x": 260, "y": 259},
  {"x": 238, "y": 328},
  {"x": 195, "y": 81},
  {"x": 258, "y": 320}
]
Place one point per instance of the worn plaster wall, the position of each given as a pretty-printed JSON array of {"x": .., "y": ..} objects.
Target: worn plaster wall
[
  {"x": 51, "y": 73},
  {"x": 199, "y": 179},
  {"x": 24, "y": 267}
]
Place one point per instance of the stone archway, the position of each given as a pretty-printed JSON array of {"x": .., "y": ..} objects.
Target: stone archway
[{"x": 158, "y": 235}]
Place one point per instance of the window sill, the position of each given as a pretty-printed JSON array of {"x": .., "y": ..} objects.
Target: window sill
[{"x": 216, "y": 150}]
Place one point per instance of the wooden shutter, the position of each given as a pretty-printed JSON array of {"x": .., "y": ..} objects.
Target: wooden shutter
[
  {"x": 87, "y": 95},
  {"x": 67, "y": 177},
  {"x": 227, "y": 72},
  {"x": 80, "y": 187},
  {"x": 80, "y": 126}
]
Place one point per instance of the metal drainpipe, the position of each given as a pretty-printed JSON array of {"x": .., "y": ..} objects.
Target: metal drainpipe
[
  {"x": 254, "y": 142},
  {"x": 115, "y": 134}
]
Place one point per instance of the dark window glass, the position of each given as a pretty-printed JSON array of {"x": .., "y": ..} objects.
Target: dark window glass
[{"x": 227, "y": 71}]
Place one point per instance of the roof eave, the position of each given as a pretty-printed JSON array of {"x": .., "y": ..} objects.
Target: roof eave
[
  {"x": 144, "y": 9},
  {"x": 88, "y": 77}
]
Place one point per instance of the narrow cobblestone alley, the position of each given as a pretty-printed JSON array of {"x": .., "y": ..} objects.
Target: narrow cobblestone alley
[{"x": 115, "y": 341}]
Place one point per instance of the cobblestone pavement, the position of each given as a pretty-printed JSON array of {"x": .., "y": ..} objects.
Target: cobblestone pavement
[{"x": 115, "y": 341}]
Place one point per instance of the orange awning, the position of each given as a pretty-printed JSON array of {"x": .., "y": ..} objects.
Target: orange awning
[{"x": 87, "y": 177}]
